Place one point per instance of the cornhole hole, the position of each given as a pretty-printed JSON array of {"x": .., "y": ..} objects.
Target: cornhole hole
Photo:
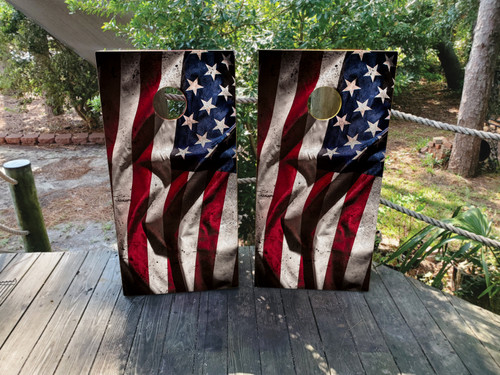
[
  {"x": 172, "y": 167},
  {"x": 323, "y": 118}
]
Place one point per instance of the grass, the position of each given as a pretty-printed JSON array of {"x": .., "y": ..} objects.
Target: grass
[{"x": 419, "y": 183}]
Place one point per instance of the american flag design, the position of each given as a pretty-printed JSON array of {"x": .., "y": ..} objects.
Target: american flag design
[
  {"x": 173, "y": 182},
  {"x": 319, "y": 181}
]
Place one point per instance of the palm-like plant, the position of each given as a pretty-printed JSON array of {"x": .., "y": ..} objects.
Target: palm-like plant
[{"x": 451, "y": 249}]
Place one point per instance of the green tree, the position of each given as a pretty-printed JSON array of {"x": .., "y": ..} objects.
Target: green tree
[{"x": 36, "y": 63}]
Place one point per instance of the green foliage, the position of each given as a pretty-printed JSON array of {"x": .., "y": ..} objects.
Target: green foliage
[
  {"x": 450, "y": 249},
  {"x": 34, "y": 63}
]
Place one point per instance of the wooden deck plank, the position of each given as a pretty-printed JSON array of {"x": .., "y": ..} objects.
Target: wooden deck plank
[
  {"x": 470, "y": 350},
  {"x": 182, "y": 331},
  {"x": 150, "y": 336},
  {"x": 307, "y": 348},
  {"x": 115, "y": 347},
  {"x": 398, "y": 336},
  {"x": 212, "y": 343},
  {"x": 370, "y": 343},
  {"x": 52, "y": 344},
  {"x": 5, "y": 259},
  {"x": 17, "y": 349},
  {"x": 29, "y": 283},
  {"x": 83, "y": 346},
  {"x": 243, "y": 344},
  {"x": 340, "y": 350},
  {"x": 433, "y": 342},
  {"x": 91, "y": 326},
  {"x": 274, "y": 342},
  {"x": 482, "y": 322}
]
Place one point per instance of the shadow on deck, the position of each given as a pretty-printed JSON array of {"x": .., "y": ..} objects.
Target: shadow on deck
[{"x": 64, "y": 313}]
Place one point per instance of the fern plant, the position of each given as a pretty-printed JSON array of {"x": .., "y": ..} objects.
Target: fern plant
[{"x": 451, "y": 249}]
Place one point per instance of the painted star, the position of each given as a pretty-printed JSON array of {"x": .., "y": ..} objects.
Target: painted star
[
  {"x": 212, "y": 70},
  {"x": 372, "y": 72},
  {"x": 226, "y": 60},
  {"x": 234, "y": 112},
  {"x": 341, "y": 121},
  {"x": 235, "y": 155},
  {"x": 382, "y": 94},
  {"x": 358, "y": 152},
  {"x": 220, "y": 125},
  {"x": 225, "y": 92},
  {"x": 198, "y": 53},
  {"x": 194, "y": 86},
  {"x": 351, "y": 86},
  {"x": 352, "y": 141},
  {"x": 182, "y": 152},
  {"x": 388, "y": 114},
  {"x": 202, "y": 140},
  {"x": 330, "y": 153},
  {"x": 362, "y": 107},
  {"x": 360, "y": 53},
  {"x": 389, "y": 62},
  {"x": 210, "y": 151},
  {"x": 373, "y": 128},
  {"x": 189, "y": 121},
  {"x": 207, "y": 105}
]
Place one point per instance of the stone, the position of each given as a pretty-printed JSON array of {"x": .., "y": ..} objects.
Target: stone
[
  {"x": 30, "y": 139},
  {"x": 80, "y": 138},
  {"x": 46, "y": 138},
  {"x": 438, "y": 140},
  {"x": 13, "y": 139},
  {"x": 63, "y": 139},
  {"x": 97, "y": 138}
]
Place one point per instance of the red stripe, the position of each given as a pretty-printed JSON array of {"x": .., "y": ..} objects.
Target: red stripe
[
  {"x": 350, "y": 217},
  {"x": 211, "y": 214},
  {"x": 171, "y": 220},
  {"x": 109, "y": 70},
  {"x": 142, "y": 146},
  {"x": 292, "y": 135}
]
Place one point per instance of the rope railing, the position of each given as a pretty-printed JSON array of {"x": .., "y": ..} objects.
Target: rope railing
[
  {"x": 394, "y": 113},
  {"x": 17, "y": 232},
  {"x": 429, "y": 220},
  {"x": 10, "y": 180},
  {"x": 445, "y": 126}
]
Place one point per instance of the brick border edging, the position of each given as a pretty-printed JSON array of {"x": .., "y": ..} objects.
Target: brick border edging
[{"x": 52, "y": 138}]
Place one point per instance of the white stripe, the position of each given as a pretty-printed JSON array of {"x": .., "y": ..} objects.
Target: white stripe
[
  {"x": 362, "y": 248},
  {"x": 121, "y": 160},
  {"x": 227, "y": 243},
  {"x": 163, "y": 144},
  {"x": 189, "y": 228},
  {"x": 324, "y": 237},
  {"x": 269, "y": 156},
  {"x": 331, "y": 66}
]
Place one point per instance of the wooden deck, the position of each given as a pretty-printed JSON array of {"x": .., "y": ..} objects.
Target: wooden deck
[{"x": 64, "y": 313}]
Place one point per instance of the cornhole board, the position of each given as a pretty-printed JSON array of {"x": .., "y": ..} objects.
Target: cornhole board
[
  {"x": 320, "y": 172},
  {"x": 173, "y": 175}
]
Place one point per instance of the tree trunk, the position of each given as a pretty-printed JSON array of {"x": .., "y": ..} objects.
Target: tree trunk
[
  {"x": 451, "y": 66},
  {"x": 477, "y": 87}
]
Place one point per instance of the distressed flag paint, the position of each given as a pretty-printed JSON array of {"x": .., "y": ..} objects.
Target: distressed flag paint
[
  {"x": 173, "y": 181},
  {"x": 319, "y": 181}
]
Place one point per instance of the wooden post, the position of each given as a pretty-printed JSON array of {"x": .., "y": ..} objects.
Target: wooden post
[{"x": 29, "y": 214}]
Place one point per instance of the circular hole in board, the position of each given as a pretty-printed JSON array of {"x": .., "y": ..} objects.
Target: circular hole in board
[
  {"x": 324, "y": 103},
  {"x": 166, "y": 107}
]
